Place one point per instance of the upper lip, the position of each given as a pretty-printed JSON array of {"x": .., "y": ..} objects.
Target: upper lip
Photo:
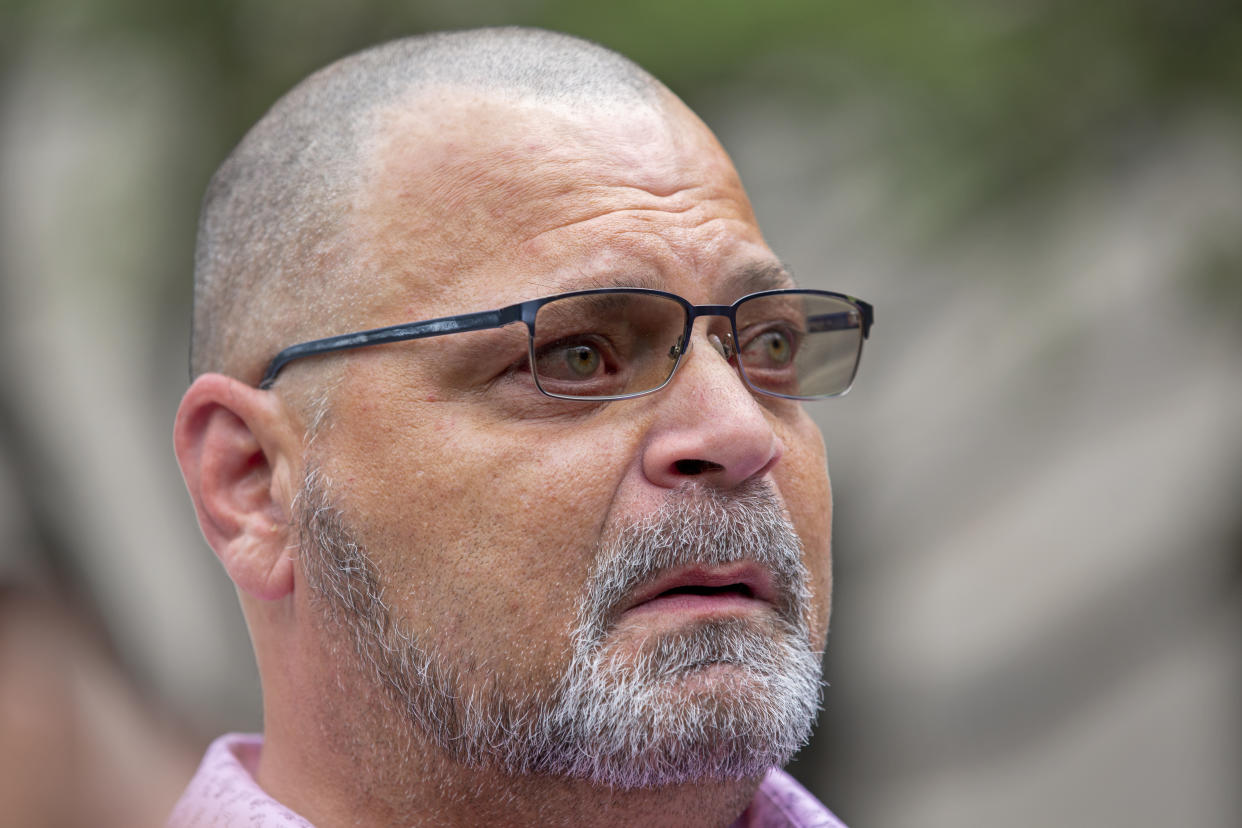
[{"x": 754, "y": 577}]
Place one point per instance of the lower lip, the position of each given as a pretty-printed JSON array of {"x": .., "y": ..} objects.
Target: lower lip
[{"x": 697, "y": 604}]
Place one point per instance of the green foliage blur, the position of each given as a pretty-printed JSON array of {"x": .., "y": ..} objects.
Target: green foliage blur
[
  {"x": 1027, "y": 92},
  {"x": 981, "y": 106},
  {"x": 977, "y": 119}
]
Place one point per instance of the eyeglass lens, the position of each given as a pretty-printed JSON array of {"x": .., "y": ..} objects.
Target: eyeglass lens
[{"x": 608, "y": 345}]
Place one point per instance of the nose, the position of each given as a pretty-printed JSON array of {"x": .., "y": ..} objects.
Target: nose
[{"x": 710, "y": 428}]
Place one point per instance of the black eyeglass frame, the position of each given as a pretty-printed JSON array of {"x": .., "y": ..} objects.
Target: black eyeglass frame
[{"x": 525, "y": 312}]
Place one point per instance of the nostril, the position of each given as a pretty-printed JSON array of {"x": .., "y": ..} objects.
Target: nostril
[{"x": 696, "y": 467}]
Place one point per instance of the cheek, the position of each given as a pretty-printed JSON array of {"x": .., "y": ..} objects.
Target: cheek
[
  {"x": 804, "y": 485},
  {"x": 483, "y": 530}
]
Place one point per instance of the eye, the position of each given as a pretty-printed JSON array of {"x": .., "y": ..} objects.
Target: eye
[
  {"x": 774, "y": 347},
  {"x": 777, "y": 346},
  {"x": 573, "y": 359},
  {"x": 582, "y": 360}
]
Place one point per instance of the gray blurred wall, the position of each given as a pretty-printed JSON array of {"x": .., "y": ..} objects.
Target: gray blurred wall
[{"x": 1037, "y": 477}]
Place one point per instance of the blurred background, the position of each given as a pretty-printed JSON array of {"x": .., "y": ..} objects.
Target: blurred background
[{"x": 1038, "y": 476}]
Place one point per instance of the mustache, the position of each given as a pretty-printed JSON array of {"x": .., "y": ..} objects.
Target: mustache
[{"x": 698, "y": 525}]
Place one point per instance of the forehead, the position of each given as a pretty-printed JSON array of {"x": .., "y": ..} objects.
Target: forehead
[{"x": 472, "y": 201}]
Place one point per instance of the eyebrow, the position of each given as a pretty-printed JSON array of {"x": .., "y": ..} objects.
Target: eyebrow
[
  {"x": 610, "y": 279},
  {"x": 757, "y": 276}
]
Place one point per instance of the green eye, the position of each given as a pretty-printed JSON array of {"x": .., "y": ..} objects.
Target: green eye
[
  {"x": 776, "y": 347},
  {"x": 582, "y": 360}
]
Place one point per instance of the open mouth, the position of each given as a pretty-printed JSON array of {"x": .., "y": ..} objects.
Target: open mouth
[
  {"x": 742, "y": 590},
  {"x": 739, "y": 586}
]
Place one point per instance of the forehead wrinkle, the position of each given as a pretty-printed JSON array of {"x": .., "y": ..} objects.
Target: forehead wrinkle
[
  {"x": 646, "y": 266},
  {"x": 699, "y": 246},
  {"x": 652, "y": 219},
  {"x": 501, "y": 178}
]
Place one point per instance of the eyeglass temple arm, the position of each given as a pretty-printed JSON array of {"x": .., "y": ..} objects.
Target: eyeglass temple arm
[
  {"x": 842, "y": 320},
  {"x": 479, "y": 321}
]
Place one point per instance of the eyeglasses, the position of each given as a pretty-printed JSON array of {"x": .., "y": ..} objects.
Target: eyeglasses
[{"x": 616, "y": 343}]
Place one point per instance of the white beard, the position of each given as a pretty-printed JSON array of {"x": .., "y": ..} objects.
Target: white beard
[{"x": 720, "y": 700}]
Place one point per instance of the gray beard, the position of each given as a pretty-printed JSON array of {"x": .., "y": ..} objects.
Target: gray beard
[{"x": 720, "y": 700}]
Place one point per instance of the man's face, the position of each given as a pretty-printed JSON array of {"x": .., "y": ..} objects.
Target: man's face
[{"x": 490, "y": 514}]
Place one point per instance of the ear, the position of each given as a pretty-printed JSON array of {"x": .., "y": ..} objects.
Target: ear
[{"x": 240, "y": 453}]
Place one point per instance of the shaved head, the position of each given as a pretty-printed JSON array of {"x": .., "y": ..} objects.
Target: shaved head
[{"x": 274, "y": 233}]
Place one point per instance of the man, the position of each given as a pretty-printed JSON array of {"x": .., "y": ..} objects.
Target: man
[{"x": 505, "y": 558}]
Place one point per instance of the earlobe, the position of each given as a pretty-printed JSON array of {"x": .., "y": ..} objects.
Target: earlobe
[{"x": 239, "y": 454}]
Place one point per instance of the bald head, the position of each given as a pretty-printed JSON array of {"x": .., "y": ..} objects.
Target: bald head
[{"x": 274, "y": 228}]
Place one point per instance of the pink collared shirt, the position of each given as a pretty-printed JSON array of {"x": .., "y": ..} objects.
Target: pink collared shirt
[{"x": 223, "y": 793}]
